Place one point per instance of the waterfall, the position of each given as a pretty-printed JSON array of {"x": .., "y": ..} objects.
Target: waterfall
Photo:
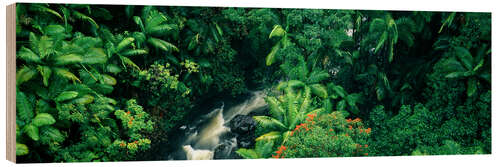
[{"x": 205, "y": 137}]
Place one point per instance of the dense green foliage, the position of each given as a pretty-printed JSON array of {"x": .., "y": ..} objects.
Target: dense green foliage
[{"x": 89, "y": 89}]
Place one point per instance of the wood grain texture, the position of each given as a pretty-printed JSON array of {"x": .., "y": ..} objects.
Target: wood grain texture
[{"x": 11, "y": 82}]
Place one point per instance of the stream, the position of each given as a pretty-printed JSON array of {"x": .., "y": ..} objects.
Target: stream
[{"x": 200, "y": 139}]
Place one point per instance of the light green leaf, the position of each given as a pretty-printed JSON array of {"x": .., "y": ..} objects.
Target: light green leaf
[
  {"x": 471, "y": 86},
  {"x": 108, "y": 80},
  {"x": 32, "y": 132},
  {"x": 21, "y": 149},
  {"x": 43, "y": 119},
  {"x": 271, "y": 136},
  {"x": 66, "y": 95},
  {"x": 28, "y": 55},
  {"x": 25, "y": 74},
  {"x": 270, "y": 58},
  {"x": 46, "y": 72},
  {"x": 277, "y": 31},
  {"x": 319, "y": 90},
  {"x": 68, "y": 59},
  {"x": 247, "y": 153}
]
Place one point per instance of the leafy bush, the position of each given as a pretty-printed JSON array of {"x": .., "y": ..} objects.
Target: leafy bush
[{"x": 330, "y": 135}]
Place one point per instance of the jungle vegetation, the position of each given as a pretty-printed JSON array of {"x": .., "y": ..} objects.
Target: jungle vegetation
[{"x": 110, "y": 83}]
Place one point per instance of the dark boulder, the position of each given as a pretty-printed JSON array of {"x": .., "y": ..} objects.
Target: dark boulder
[{"x": 243, "y": 126}]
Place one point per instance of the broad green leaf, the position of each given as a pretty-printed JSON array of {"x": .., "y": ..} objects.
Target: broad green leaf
[
  {"x": 66, "y": 95},
  {"x": 455, "y": 75},
  {"x": 277, "y": 31},
  {"x": 25, "y": 74},
  {"x": 32, "y": 132},
  {"x": 95, "y": 56},
  {"x": 68, "y": 59},
  {"x": 338, "y": 90},
  {"x": 124, "y": 44},
  {"x": 381, "y": 41},
  {"x": 112, "y": 68},
  {"x": 28, "y": 55},
  {"x": 247, "y": 153},
  {"x": 319, "y": 90},
  {"x": 295, "y": 84},
  {"x": 271, "y": 136},
  {"x": 163, "y": 45},
  {"x": 128, "y": 62},
  {"x": 471, "y": 86},
  {"x": 270, "y": 58},
  {"x": 465, "y": 57},
  {"x": 84, "y": 17},
  {"x": 43, "y": 119},
  {"x": 21, "y": 149},
  {"x": 109, "y": 80},
  {"x": 134, "y": 52},
  {"x": 54, "y": 29},
  {"x": 65, "y": 74},
  {"x": 46, "y": 72},
  {"x": 86, "y": 99}
]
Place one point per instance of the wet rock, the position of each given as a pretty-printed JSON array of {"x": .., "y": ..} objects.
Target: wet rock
[
  {"x": 226, "y": 150},
  {"x": 243, "y": 126}
]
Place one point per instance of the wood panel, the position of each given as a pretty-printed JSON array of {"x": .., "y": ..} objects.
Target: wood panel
[{"x": 11, "y": 82}]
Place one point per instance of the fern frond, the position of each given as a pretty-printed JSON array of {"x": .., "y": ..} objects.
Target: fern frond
[
  {"x": 269, "y": 123},
  {"x": 24, "y": 107},
  {"x": 164, "y": 45},
  {"x": 275, "y": 109},
  {"x": 317, "y": 76}
]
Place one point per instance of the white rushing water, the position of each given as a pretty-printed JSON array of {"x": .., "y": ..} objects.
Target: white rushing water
[{"x": 200, "y": 144}]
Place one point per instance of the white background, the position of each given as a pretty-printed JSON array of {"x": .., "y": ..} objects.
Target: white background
[{"x": 426, "y": 5}]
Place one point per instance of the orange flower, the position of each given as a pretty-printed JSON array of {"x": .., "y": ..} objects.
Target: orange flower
[
  {"x": 349, "y": 120},
  {"x": 122, "y": 144},
  {"x": 366, "y": 145},
  {"x": 347, "y": 135},
  {"x": 130, "y": 122},
  {"x": 331, "y": 130},
  {"x": 366, "y": 153},
  {"x": 357, "y": 120},
  {"x": 368, "y": 130},
  {"x": 128, "y": 112},
  {"x": 350, "y": 127}
]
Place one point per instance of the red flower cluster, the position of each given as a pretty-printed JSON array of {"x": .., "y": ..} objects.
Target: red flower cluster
[
  {"x": 279, "y": 153},
  {"x": 310, "y": 118}
]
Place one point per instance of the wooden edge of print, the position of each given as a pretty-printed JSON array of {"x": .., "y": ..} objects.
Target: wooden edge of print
[{"x": 11, "y": 82}]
